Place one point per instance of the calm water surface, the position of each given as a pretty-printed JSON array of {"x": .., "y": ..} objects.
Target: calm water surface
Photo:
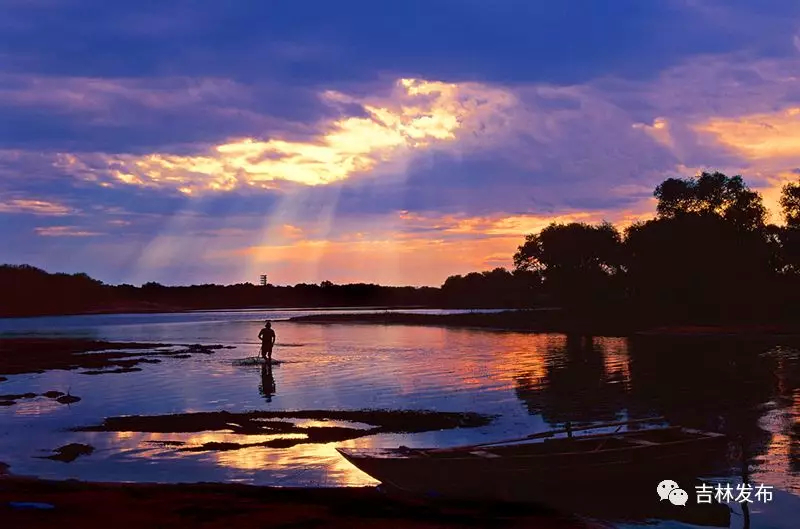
[{"x": 533, "y": 382}]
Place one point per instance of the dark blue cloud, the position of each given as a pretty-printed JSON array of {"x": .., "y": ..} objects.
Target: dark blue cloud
[
  {"x": 319, "y": 41},
  {"x": 140, "y": 116},
  {"x": 279, "y": 55}
]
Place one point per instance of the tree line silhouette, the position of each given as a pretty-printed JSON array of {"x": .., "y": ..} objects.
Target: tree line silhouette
[
  {"x": 708, "y": 256},
  {"x": 29, "y": 291}
]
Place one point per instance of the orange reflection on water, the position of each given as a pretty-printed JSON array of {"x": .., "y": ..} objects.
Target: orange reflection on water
[
  {"x": 615, "y": 359},
  {"x": 311, "y": 463},
  {"x": 782, "y": 422},
  {"x": 775, "y": 465}
]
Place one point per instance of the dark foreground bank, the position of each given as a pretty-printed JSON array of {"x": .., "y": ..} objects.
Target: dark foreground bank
[{"x": 211, "y": 506}]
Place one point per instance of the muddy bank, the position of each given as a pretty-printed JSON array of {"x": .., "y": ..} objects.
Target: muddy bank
[
  {"x": 37, "y": 355},
  {"x": 221, "y": 506},
  {"x": 269, "y": 423},
  {"x": 71, "y": 452},
  {"x": 58, "y": 396}
]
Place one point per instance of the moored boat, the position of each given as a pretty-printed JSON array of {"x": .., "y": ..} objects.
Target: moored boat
[{"x": 528, "y": 469}]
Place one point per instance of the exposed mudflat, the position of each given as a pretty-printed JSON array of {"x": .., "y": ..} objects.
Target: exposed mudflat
[
  {"x": 58, "y": 396},
  {"x": 71, "y": 452},
  {"x": 37, "y": 355},
  {"x": 269, "y": 423}
]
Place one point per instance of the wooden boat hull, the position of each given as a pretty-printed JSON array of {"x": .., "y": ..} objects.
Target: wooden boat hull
[{"x": 538, "y": 471}]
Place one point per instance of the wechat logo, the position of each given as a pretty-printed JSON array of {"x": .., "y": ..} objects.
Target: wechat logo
[{"x": 669, "y": 490}]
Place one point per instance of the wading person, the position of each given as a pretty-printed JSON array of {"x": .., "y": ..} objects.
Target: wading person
[{"x": 267, "y": 337}]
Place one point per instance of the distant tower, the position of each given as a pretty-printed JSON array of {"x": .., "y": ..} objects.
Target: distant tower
[{"x": 263, "y": 280}]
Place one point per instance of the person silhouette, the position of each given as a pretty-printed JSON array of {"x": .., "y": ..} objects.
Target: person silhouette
[
  {"x": 267, "y": 387},
  {"x": 267, "y": 337}
]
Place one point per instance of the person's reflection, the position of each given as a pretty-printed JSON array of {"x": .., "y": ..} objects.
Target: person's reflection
[{"x": 267, "y": 387}]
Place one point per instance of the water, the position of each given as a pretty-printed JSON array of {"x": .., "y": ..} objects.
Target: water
[{"x": 532, "y": 382}]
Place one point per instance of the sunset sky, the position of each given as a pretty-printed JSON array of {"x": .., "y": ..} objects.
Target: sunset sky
[{"x": 396, "y": 142}]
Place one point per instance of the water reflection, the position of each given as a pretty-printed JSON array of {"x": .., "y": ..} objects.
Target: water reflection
[
  {"x": 531, "y": 382},
  {"x": 721, "y": 385},
  {"x": 267, "y": 387},
  {"x": 581, "y": 383},
  {"x": 748, "y": 391},
  {"x": 305, "y": 465}
]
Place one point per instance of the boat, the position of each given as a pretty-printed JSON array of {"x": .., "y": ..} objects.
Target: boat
[{"x": 532, "y": 469}]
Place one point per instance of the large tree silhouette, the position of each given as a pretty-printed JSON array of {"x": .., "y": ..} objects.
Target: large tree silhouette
[
  {"x": 790, "y": 203},
  {"x": 707, "y": 255},
  {"x": 578, "y": 262},
  {"x": 788, "y": 237},
  {"x": 696, "y": 266},
  {"x": 714, "y": 194}
]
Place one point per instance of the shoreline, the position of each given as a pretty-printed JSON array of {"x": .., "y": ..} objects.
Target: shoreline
[
  {"x": 534, "y": 320},
  {"x": 553, "y": 321}
]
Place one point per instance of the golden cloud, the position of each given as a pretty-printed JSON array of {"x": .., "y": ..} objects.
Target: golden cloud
[
  {"x": 519, "y": 225},
  {"x": 417, "y": 115}
]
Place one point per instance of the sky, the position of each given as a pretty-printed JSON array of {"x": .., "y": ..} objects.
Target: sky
[{"x": 190, "y": 142}]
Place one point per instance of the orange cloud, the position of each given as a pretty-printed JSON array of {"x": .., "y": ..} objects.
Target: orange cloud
[
  {"x": 520, "y": 225},
  {"x": 771, "y": 144},
  {"x": 64, "y": 231},
  {"x": 759, "y": 136},
  {"x": 36, "y": 207}
]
